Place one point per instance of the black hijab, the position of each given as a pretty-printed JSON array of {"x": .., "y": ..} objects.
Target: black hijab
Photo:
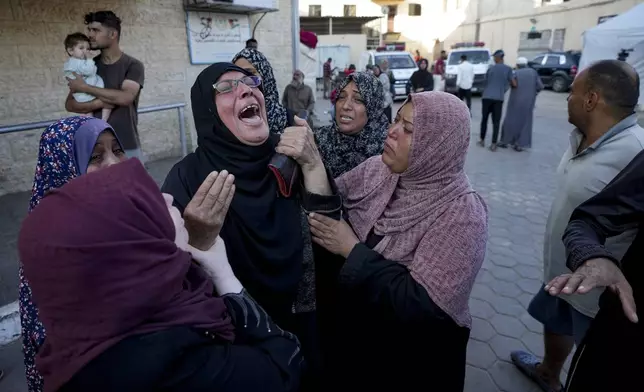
[{"x": 262, "y": 230}]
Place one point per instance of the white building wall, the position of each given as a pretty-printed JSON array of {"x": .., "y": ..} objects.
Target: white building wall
[{"x": 502, "y": 21}]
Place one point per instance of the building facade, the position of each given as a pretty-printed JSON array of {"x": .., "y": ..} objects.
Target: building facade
[
  {"x": 504, "y": 24},
  {"x": 32, "y": 86},
  {"x": 432, "y": 25}
]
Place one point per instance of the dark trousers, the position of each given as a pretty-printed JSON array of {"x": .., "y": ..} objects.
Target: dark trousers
[
  {"x": 388, "y": 113},
  {"x": 466, "y": 95},
  {"x": 494, "y": 107}
]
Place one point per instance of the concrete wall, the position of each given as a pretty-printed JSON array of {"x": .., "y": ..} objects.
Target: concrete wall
[
  {"x": 502, "y": 24},
  {"x": 32, "y": 87},
  {"x": 357, "y": 43}
]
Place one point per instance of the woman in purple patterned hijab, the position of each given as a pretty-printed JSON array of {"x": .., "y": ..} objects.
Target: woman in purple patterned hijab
[{"x": 68, "y": 148}]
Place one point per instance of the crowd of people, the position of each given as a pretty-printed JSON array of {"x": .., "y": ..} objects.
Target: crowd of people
[{"x": 279, "y": 256}]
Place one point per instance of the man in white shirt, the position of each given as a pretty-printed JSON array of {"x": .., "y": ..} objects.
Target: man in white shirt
[{"x": 464, "y": 80}]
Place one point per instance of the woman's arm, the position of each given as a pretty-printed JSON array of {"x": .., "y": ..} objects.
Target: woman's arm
[
  {"x": 298, "y": 142},
  {"x": 182, "y": 359},
  {"x": 445, "y": 263},
  {"x": 253, "y": 326},
  {"x": 616, "y": 209}
]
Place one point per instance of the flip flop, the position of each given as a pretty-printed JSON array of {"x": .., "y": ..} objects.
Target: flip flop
[{"x": 527, "y": 364}]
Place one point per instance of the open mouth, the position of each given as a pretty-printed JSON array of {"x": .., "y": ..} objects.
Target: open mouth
[
  {"x": 250, "y": 114},
  {"x": 345, "y": 119}
]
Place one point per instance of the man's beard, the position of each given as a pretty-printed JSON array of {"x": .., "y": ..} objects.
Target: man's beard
[
  {"x": 296, "y": 83},
  {"x": 96, "y": 46}
]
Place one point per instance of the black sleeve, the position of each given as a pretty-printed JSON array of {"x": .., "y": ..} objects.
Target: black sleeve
[
  {"x": 175, "y": 185},
  {"x": 616, "y": 209},
  {"x": 263, "y": 357},
  {"x": 330, "y": 206},
  {"x": 430, "y": 83},
  {"x": 413, "y": 81},
  {"x": 387, "y": 286}
]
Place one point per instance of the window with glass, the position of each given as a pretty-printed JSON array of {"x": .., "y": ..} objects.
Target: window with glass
[
  {"x": 397, "y": 61},
  {"x": 349, "y": 10},
  {"x": 414, "y": 9},
  {"x": 315, "y": 10},
  {"x": 552, "y": 60},
  {"x": 473, "y": 57}
]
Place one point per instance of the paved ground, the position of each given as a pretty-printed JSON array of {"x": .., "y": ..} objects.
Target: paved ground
[{"x": 518, "y": 188}]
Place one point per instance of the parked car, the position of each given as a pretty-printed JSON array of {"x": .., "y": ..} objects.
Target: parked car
[
  {"x": 557, "y": 69},
  {"x": 478, "y": 55}
]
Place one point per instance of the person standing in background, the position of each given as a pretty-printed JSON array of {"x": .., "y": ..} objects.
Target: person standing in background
[
  {"x": 326, "y": 74},
  {"x": 386, "y": 89},
  {"x": 252, "y": 44},
  {"x": 384, "y": 68},
  {"x": 439, "y": 72},
  {"x": 517, "y": 126},
  {"x": 499, "y": 77},
  {"x": 350, "y": 70},
  {"x": 417, "y": 57},
  {"x": 422, "y": 80},
  {"x": 464, "y": 81},
  {"x": 298, "y": 97},
  {"x": 123, "y": 76}
]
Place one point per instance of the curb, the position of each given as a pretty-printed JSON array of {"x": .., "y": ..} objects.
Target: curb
[{"x": 9, "y": 323}]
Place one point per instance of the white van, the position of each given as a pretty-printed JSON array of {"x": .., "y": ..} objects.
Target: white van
[
  {"x": 479, "y": 56},
  {"x": 401, "y": 64}
]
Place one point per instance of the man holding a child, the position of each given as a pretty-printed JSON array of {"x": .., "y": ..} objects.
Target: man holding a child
[{"x": 123, "y": 77}]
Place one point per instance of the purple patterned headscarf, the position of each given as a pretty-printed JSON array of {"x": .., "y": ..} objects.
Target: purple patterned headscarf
[{"x": 85, "y": 139}]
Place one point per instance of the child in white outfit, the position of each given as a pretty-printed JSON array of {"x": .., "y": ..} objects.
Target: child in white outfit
[{"x": 77, "y": 46}]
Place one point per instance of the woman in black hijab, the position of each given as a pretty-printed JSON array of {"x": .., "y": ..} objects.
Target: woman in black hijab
[
  {"x": 266, "y": 233},
  {"x": 422, "y": 80}
]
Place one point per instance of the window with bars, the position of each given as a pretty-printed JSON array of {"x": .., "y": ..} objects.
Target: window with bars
[
  {"x": 349, "y": 10},
  {"x": 315, "y": 10},
  {"x": 414, "y": 9}
]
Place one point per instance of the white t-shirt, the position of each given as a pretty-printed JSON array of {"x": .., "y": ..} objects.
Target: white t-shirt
[{"x": 465, "y": 75}]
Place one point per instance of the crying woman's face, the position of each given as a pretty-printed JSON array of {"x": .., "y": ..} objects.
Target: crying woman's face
[{"x": 243, "y": 110}]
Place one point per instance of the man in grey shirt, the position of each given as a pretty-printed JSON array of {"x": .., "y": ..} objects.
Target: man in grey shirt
[
  {"x": 601, "y": 105},
  {"x": 498, "y": 79}
]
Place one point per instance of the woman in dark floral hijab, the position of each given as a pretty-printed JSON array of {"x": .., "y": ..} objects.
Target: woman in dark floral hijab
[
  {"x": 359, "y": 127},
  {"x": 254, "y": 61}
]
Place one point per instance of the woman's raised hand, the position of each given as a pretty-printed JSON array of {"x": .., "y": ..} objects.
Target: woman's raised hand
[
  {"x": 298, "y": 143},
  {"x": 204, "y": 215}
]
